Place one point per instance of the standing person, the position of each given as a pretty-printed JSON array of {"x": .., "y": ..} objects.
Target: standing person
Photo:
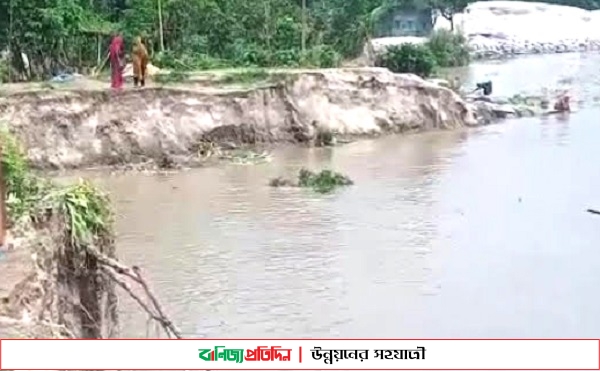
[
  {"x": 140, "y": 62},
  {"x": 116, "y": 55},
  {"x": 563, "y": 104}
]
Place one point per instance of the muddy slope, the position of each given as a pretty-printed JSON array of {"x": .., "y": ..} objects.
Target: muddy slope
[{"x": 71, "y": 129}]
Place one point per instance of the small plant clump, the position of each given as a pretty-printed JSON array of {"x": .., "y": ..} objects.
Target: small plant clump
[
  {"x": 85, "y": 208},
  {"x": 24, "y": 190},
  {"x": 87, "y": 211},
  {"x": 324, "y": 181},
  {"x": 450, "y": 49}
]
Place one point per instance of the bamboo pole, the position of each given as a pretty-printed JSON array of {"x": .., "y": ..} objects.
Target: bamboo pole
[{"x": 99, "y": 68}]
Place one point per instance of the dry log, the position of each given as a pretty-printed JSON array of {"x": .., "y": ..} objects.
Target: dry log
[
  {"x": 158, "y": 314},
  {"x": 174, "y": 330}
]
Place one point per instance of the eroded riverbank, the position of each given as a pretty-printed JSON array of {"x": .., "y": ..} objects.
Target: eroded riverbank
[
  {"x": 445, "y": 234},
  {"x": 467, "y": 233},
  {"x": 434, "y": 223},
  {"x": 74, "y": 129}
]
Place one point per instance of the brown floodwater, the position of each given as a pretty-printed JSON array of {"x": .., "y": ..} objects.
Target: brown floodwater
[{"x": 472, "y": 233}]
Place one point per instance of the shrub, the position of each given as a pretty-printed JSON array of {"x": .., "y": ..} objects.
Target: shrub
[
  {"x": 287, "y": 58},
  {"x": 254, "y": 57},
  {"x": 4, "y": 66},
  {"x": 23, "y": 188},
  {"x": 187, "y": 62},
  {"x": 86, "y": 208},
  {"x": 247, "y": 54},
  {"x": 206, "y": 62},
  {"x": 323, "y": 56},
  {"x": 443, "y": 49},
  {"x": 450, "y": 49},
  {"x": 408, "y": 58}
]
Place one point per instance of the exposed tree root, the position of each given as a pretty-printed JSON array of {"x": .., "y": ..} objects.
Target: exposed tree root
[
  {"x": 27, "y": 327},
  {"x": 113, "y": 269},
  {"x": 71, "y": 290}
]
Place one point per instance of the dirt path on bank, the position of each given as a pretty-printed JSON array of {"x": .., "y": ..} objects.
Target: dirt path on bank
[{"x": 224, "y": 79}]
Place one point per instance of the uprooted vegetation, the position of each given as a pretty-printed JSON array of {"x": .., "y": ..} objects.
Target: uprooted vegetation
[
  {"x": 71, "y": 291},
  {"x": 324, "y": 181}
]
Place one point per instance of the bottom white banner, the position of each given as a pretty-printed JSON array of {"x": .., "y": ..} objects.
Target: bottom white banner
[{"x": 305, "y": 354}]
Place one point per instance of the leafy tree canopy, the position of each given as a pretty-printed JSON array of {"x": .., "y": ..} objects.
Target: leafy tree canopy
[{"x": 58, "y": 35}]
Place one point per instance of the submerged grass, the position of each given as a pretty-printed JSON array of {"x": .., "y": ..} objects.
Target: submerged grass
[{"x": 324, "y": 181}]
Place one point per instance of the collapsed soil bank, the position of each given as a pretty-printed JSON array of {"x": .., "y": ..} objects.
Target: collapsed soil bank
[{"x": 74, "y": 129}]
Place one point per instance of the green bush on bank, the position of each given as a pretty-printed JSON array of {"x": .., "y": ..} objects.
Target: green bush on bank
[
  {"x": 85, "y": 209},
  {"x": 443, "y": 49},
  {"x": 450, "y": 49},
  {"x": 408, "y": 58},
  {"x": 4, "y": 71},
  {"x": 23, "y": 188},
  {"x": 319, "y": 56}
]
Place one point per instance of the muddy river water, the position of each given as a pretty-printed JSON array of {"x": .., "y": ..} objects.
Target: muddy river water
[{"x": 473, "y": 233}]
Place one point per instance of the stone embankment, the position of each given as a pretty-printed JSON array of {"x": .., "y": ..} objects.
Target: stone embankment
[
  {"x": 492, "y": 109},
  {"x": 75, "y": 129},
  {"x": 535, "y": 28},
  {"x": 498, "y": 29}
]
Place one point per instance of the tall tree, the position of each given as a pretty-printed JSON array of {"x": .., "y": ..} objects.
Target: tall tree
[{"x": 448, "y": 8}]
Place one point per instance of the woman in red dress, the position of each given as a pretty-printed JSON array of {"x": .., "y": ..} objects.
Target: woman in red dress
[{"x": 116, "y": 54}]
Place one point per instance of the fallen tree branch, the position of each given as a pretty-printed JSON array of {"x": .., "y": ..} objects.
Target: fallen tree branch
[
  {"x": 125, "y": 286},
  {"x": 135, "y": 274},
  {"x": 170, "y": 326},
  {"x": 112, "y": 263},
  {"x": 592, "y": 211}
]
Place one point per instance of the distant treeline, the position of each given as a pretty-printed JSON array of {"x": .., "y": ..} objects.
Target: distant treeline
[{"x": 60, "y": 35}]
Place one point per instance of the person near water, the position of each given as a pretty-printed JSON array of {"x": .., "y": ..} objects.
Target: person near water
[
  {"x": 484, "y": 87},
  {"x": 563, "y": 104},
  {"x": 140, "y": 62},
  {"x": 116, "y": 56}
]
